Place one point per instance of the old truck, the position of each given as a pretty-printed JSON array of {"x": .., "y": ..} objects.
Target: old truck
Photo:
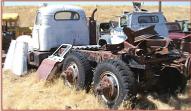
[
  {"x": 180, "y": 34},
  {"x": 65, "y": 43},
  {"x": 137, "y": 20},
  {"x": 11, "y": 29},
  {"x": 9, "y": 22},
  {"x": 178, "y": 31}
]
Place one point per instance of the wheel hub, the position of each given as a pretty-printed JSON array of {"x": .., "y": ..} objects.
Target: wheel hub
[
  {"x": 108, "y": 88},
  {"x": 71, "y": 73}
]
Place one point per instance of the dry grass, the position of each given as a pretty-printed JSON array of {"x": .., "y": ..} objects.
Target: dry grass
[
  {"x": 104, "y": 13},
  {"x": 29, "y": 93}
]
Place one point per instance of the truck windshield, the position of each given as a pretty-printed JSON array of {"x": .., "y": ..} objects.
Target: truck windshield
[{"x": 148, "y": 19}]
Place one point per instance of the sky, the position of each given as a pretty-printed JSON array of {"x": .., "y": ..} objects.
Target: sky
[{"x": 174, "y": 3}]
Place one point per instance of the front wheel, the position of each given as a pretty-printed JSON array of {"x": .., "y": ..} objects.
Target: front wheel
[{"x": 114, "y": 82}]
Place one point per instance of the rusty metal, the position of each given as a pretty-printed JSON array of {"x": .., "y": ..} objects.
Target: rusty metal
[
  {"x": 71, "y": 73},
  {"x": 188, "y": 67},
  {"x": 47, "y": 67},
  {"x": 108, "y": 86},
  {"x": 146, "y": 52},
  {"x": 157, "y": 42},
  {"x": 127, "y": 45},
  {"x": 173, "y": 27},
  {"x": 186, "y": 43},
  {"x": 176, "y": 35},
  {"x": 114, "y": 47},
  {"x": 100, "y": 55},
  {"x": 186, "y": 46},
  {"x": 158, "y": 47},
  {"x": 146, "y": 31},
  {"x": 105, "y": 86},
  {"x": 189, "y": 93},
  {"x": 130, "y": 34},
  {"x": 136, "y": 36},
  {"x": 180, "y": 38}
]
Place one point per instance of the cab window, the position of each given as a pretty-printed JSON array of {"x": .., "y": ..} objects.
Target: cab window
[
  {"x": 67, "y": 15},
  {"x": 123, "y": 21},
  {"x": 148, "y": 19}
]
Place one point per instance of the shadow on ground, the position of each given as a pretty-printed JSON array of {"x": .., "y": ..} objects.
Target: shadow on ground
[{"x": 154, "y": 101}]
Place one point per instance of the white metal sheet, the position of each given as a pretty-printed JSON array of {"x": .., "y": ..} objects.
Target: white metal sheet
[
  {"x": 19, "y": 64},
  {"x": 9, "y": 56}
]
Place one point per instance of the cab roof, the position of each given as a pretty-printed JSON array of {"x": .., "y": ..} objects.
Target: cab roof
[
  {"x": 142, "y": 12},
  {"x": 49, "y": 10}
]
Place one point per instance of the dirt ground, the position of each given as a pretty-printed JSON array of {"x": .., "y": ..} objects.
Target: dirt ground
[{"x": 28, "y": 93}]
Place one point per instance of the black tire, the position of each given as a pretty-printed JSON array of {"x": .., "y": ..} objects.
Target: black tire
[
  {"x": 125, "y": 77},
  {"x": 84, "y": 69}
]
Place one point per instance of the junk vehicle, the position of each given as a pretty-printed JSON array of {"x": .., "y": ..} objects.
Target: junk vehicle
[
  {"x": 66, "y": 44},
  {"x": 180, "y": 33},
  {"x": 9, "y": 21},
  {"x": 11, "y": 29},
  {"x": 139, "y": 19}
]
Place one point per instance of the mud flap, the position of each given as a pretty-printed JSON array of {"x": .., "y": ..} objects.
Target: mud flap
[
  {"x": 47, "y": 67},
  {"x": 51, "y": 65}
]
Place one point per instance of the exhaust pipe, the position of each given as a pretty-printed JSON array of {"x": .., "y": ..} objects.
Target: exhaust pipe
[
  {"x": 92, "y": 29},
  {"x": 93, "y": 14}
]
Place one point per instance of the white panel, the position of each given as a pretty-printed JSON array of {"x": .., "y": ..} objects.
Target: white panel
[
  {"x": 27, "y": 39},
  {"x": 9, "y": 56},
  {"x": 19, "y": 64}
]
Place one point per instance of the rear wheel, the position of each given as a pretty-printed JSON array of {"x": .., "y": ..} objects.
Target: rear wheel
[
  {"x": 114, "y": 82},
  {"x": 76, "y": 70}
]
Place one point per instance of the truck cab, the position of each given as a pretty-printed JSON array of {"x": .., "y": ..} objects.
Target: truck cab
[
  {"x": 136, "y": 21},
  {"x": 55, "y": 25},
  {"x": 141, "y": 19}
]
